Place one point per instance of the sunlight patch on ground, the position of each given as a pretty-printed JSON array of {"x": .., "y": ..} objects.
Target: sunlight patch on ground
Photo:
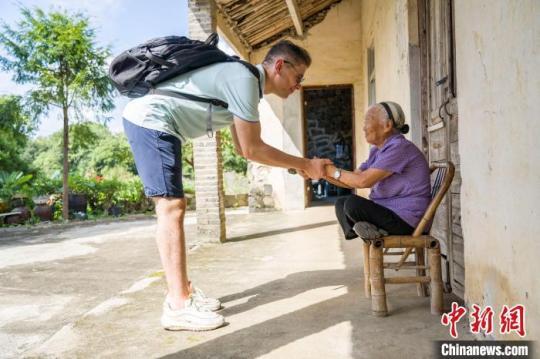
[
  {"x": 141, "y": 284},
  {"x": 107, "y": 306},
  {"x": 47, "y": 252},
  {"x": 322, "y": 344},
  {"x": 263, "y": 313},
  {"x": 35, "y": 308}
]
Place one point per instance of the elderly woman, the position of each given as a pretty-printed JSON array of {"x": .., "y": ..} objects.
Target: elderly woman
[{"x": 397, "y": 173}]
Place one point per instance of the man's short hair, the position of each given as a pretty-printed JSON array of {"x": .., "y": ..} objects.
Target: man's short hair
[{"x": 290, "y": 51}]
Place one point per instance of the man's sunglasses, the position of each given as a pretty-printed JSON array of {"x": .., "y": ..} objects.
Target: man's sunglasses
[{"x": 299, "y": 77}]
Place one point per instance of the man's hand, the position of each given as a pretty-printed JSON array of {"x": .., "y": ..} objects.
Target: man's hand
[
  {"x": 316, "y": 168},
  {"x": 303, "y": 174}
]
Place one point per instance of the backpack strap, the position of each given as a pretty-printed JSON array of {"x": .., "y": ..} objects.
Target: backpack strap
[
  {"x": 255, "y": 73},
  {"x": 185, "y": 96},
  {"x": 210, "y": 101}
]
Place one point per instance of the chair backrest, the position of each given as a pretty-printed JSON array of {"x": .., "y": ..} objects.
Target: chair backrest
[{"x": 443, "y": 177}]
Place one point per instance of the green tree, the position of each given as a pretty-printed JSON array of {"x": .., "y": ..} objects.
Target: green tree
[
  {"x": 15, "y": 126},
  {"x": 100, "y": 152},
  {"x": 231, "y": 161},
  {"x": 112, "y": 155},
  {"x": 44, "y": 154},
  {"x": 187, "y": 159},
  {"x": 94, "y": 151},
  {"x": 56, "y": 52}
]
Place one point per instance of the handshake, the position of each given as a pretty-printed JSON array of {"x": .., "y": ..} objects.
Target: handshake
[{"x": 318, "y": 168}]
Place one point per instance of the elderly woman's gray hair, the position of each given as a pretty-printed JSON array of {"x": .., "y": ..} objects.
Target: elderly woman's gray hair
[{"x": 393, "y": 112}]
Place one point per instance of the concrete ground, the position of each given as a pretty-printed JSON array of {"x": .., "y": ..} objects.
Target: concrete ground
[{"x": 291, "y": 288}]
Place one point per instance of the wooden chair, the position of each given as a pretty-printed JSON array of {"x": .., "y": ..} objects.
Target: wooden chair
[{"x": 419, "y": 241}]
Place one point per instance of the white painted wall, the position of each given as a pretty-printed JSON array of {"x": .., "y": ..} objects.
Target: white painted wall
[
  {"x": 385, "y": 28},
  {"x": 498, "y": 61},
  {"x": 335, "y": 48}
]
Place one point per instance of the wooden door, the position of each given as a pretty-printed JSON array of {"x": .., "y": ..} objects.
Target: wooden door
[
  {"x": 328, "y": 113},
  {"x": 441, "y": 128}
]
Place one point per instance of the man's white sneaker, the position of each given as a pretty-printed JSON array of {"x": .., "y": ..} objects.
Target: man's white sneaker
[
  {"x": 204, "y": 301},
  {"x": 191, "y": 317}
]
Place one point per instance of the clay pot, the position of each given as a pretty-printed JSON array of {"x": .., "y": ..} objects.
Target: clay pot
[
  {"x": 19, "y": 218},
  {"x": 77, "y": 202},
  {"x": 115, "y": 211},
  {"x": 45, "y": 212},
  {"x": 17, "y": 202},
  {"x": 4, "y": 206}
]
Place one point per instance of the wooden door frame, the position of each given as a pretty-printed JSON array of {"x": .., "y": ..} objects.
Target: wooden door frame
[
  {"x": 423, "y": 9},
  {"x": 418, "y": 59},
  {"x": 307, "y": 187}
]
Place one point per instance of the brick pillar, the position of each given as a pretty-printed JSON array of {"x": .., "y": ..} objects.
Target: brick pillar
[{"x": 209, "y": 194}]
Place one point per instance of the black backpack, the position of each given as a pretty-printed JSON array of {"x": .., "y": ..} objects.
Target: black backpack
[{"x": 136, "y": 72}]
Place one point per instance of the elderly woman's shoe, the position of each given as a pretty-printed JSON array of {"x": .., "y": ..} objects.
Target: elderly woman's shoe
[{"x": 369, "y": 231}]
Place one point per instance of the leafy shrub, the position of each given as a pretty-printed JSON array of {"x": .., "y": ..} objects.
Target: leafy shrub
[
  {"x": 12, "y": 183},
  {"x": 231, "y": 161},
  {"x": 42, "y": 185}
]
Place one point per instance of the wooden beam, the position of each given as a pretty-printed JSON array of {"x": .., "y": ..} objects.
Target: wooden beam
[
  {"x": 227, "y": 33},
  {"x": 234, "y": 27},
  {"x": 296, "y": 16},
  {"x": 279, "y": 27},
  {"x": 403, "y": 280}
]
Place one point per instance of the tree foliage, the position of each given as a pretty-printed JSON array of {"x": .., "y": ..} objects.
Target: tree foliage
[
  {"x": 95, "y": 151},
  {"x": 56, "y": 53},
  {"x": 15, "y": 126},
  {"x": 231, "y": 161}
]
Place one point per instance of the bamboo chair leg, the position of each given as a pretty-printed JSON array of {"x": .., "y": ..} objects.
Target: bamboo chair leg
[
  {"x": 367, "y": 284},
  {"x": 404, "y": 256},
  {"x": 436, "y": 280},
  {"x": 421, "y": 261},
  {"x": 378, "y": 292}
]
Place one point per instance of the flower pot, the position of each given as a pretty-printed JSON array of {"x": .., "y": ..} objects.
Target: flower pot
[
  {"x": 40, "y": 200},
  {"x": 19, "y": 218},
  {"x": 44, "y": 212},
  {"x": 4, "y": 206},
  {"x": 115, "y": 211},
  {"x": 77, "y": 202},
  {"x": 17, "y": 201}
]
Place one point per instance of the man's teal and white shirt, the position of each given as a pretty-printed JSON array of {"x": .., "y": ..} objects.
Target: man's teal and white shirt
[{"x": 230, "y": 82}]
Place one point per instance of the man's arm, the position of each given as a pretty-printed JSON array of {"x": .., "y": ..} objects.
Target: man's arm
[
  {"x": 237, "y": 147},
  {"x": 362, "y": 179},
  {"x": 248, "y": 137}
]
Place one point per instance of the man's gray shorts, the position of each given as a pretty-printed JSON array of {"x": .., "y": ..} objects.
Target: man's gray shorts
[{"x": 158, "y": 157}]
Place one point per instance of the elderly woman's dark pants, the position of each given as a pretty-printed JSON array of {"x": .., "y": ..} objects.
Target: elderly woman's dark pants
[{"x": 352, "y": 209}]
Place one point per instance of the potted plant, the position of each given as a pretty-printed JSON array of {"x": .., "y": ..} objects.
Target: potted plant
[
  {"x": 43, "y": 208},
  {"x": 11, "y": 184},
  {"x": 109, "y": 196},
  {"x": 19, "y": 203},
  {"x": 44, "y": 192},
  {"x": 79, "y": 187}
]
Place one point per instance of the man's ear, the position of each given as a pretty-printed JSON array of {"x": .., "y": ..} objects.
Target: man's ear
[{"x": 278, "y": 65}]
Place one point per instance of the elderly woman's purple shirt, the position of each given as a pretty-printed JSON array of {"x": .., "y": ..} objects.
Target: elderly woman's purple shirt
[{"x": 407, "y": 192}]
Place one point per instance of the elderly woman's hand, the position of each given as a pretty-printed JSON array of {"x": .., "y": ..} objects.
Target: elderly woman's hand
[{"x": 329, "y": 170}]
